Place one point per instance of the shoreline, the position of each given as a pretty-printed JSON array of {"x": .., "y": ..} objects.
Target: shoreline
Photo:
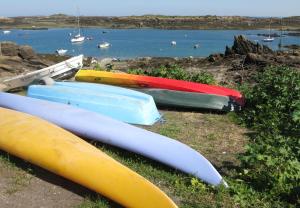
[{"x": 234, "y": 65}]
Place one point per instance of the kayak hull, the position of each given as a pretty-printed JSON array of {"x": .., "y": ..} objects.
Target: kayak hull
[
  {"x": 116, "y": 102},
  {"x": 63, "y": 153},
  {"x": 104, "y": 129},
  {"x": 131, "y": 80},
  {"x": 173, "y": 98}
]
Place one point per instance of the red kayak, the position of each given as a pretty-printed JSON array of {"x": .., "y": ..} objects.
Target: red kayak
[{"x": 131, "y": 80}]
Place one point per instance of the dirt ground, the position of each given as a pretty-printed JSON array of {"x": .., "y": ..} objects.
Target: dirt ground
[{"x": 23, "y": 185}]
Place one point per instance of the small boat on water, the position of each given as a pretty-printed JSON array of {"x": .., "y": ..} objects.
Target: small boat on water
[
  {"x": 6, "y": 32},
  {"x": 104, "y": 45},
  {"x": 110, "y": 131},
  {"x": 78, "y": 38},
  {"x": 173, "y": 43},
  {"x": 59, "y": 151},
  {"x": 119, "y": 103},
  {"x": 268, "y": 39},
  {"x": 61, "y": 51},
  {"x": 58, "y": 70},
  {"x": 140, "y": 81},
  {"x": 179, "y": 99},
  {"x": 196, "y": 46}
]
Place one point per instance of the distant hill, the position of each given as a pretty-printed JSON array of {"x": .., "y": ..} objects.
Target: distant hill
[{"x": 153, "y": 21}]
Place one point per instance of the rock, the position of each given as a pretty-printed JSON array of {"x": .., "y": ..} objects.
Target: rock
[
  {"x": 26, "y": 52},
  {"x": 243, "y": 46},
  {"x": 293, "y": 47},
  {"x": 229, "y": 51},
  {"x": 9, "y": 49},
  {"x": 19, "y": 59},
  {"x": 11, "y": 64},
  {"x": 215, "y": 57},
  {"x": 252, "y": 58},
  {"x": 105, "y": 63}
]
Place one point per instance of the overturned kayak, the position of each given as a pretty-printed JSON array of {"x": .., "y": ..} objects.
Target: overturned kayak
[
  {"x": 180, "y": 99},
  {"x": 104, "y": 129},
  {"x": 131, "y": 80},
  {"x": 63, "y": 153},
  {"x": 122, "y": 104},
  {"x": 55, "y": 71}
]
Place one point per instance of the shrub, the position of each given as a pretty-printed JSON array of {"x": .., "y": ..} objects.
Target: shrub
[{"x": 271, "y": 161}]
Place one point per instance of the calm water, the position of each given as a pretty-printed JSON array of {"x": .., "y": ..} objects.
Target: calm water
[{"x": 129, "y": 43}]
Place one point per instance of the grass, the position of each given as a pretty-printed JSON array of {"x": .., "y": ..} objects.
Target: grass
[{"x": 215, "y": 136}]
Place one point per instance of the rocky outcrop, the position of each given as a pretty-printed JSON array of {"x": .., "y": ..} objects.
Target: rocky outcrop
[
  {"x": 243, "y": 46},
  {"x": 15, "y": 59}
]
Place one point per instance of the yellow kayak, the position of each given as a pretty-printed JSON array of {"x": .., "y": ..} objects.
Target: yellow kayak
[{"x": 63, "y": 153}]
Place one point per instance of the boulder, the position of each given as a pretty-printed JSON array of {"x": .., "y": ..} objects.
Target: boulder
[
  {"x": 9, "y": 48},
  {"x": 26, "y": 52}
]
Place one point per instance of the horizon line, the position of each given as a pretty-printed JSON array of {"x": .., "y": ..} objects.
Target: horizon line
[{"x": 212, "y": 15}]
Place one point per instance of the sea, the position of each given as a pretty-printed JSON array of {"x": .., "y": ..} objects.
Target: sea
[{"x": 133, "y": 43}]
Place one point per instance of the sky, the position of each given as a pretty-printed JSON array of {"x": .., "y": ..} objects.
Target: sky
[{"x": 256, "y": 8}]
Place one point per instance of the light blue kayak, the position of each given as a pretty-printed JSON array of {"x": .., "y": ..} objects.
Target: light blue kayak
[
  {"x": 116, "y": 102},
  {"x": 107, "y": 130}
]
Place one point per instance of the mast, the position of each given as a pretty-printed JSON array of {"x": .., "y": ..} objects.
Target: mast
[
  {"x": 78, "y": 25},
  {"x": 270, "y": 28},
  {"x": 280, "y": 40}
]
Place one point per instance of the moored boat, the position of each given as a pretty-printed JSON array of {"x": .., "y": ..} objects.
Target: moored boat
[
  {"x": 78, "y": 38},
  {"x": 104, "y": 45},
  {"x": 6, "y": 32},
  {"x": 61, "y": 51},
  {"x": 50, "y": 147}
]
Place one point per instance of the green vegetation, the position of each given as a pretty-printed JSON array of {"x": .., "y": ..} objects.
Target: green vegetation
[
  {"x": 271, "y": 164},
  {"x": 176, "y": 72}
]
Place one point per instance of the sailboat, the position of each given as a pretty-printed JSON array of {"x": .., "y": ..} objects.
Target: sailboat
[
  {"x": 269, "y": 39},
  {"x": 78, "y": 38}
]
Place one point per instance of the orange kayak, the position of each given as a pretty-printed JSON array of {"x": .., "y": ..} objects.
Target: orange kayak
[{"x": 131, "y": 80}]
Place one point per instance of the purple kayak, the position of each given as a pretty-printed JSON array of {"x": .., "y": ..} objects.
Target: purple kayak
[{"x": 107, "y": 130}]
